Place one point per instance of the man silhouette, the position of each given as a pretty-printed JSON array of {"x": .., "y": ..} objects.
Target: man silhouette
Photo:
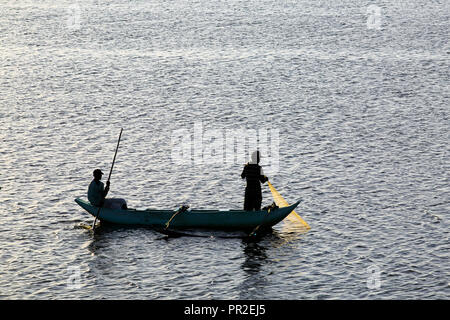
[
  {"x": 255, "y": 176},
  {"x": 97, "y": 191}
]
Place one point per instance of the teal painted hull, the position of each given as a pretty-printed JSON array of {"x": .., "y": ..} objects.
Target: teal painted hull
[{"x": 214, "y": 219}]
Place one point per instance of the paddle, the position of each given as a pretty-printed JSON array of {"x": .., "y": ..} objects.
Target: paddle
[
  {"x": 279, "y": 200},
  {"x": 109, "y": 177}
]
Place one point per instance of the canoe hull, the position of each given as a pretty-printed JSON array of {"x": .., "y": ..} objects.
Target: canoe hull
[{"x": 210, "y": 219}]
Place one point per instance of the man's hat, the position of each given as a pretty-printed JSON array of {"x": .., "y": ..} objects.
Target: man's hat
[{"x": 98, "y": 171}]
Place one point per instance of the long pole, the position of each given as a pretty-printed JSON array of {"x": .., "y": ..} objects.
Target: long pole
[{"x": 109, "y": 177}]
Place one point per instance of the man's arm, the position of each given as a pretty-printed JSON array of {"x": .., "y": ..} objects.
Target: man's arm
[
  {"x": 244, "y": 172},
  {"x": 262, "y": 177}
]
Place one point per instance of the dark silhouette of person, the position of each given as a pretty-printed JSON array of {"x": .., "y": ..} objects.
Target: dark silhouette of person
[
  {"x": 97, "y": 191},
  {"x": 255, "y": 176}
]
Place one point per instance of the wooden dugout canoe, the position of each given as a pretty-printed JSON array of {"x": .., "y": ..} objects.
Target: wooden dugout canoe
[{"x": 209, "y": 219}]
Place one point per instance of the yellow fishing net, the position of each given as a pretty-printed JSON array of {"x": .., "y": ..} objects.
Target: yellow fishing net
[{"x": 279, "y": 200}]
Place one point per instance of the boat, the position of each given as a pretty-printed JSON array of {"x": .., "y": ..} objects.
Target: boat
[{"x": 190, "y": 219}]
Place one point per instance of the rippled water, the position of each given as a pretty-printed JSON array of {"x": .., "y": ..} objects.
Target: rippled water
[{"x": 358, "y": 91}]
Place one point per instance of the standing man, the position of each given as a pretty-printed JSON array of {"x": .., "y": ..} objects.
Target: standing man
[
  {"x": 97, "y": 191},
  {"x": 255, "y": 176}
]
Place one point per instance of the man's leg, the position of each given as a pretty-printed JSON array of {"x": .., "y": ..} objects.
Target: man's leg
[{"x": 257, "y": 204}]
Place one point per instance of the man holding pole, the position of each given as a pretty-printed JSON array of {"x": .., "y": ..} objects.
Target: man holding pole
[
  {"x": 97, "y": 191},
  {"x": 97, "y": 194}
]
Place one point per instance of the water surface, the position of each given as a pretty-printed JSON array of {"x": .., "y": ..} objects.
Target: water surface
[{"x": 358, "y": 93}]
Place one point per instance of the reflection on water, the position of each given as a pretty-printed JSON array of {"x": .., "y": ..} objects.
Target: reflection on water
[
  {"x": 261, "y": 254},
  {"x": 112, "y": 247},
  {"x": 255, "y": 258},
  {"x": 291, "y": 231}
]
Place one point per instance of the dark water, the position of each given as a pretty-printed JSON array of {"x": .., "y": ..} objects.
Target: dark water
[{"x": 357, "y": 90}]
